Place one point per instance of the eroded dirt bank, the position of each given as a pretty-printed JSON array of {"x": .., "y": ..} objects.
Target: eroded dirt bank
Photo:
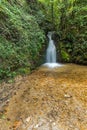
[{"x": 49, "y": 99}]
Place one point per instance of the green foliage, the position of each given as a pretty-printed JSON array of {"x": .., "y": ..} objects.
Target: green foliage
[
  {"x": 21, "y": 38},
  {"x": 65, "y": 56},
  {"x": 70, "y": 23},
  {"x": 24, "y": 70},
  {"x": 65, "y": 52},
  {"x": 80, "y": 53},
  {"x": 74, "y": 32}
]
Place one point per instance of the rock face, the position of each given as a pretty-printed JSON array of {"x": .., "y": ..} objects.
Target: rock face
[{"x": 49, "y": 99}]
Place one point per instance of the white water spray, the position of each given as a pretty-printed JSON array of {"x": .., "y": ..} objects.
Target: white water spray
[
  {"x": 51, "y": 50},
  {"x": 51, "y": 53}
]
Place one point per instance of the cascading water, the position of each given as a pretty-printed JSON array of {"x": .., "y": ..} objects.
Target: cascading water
[
  {"x": 51, "y": 50},
  {"x": 51, "y": 53}
]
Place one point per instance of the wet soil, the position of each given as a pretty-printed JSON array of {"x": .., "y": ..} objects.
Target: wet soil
[{"x": 48, "y": 99}]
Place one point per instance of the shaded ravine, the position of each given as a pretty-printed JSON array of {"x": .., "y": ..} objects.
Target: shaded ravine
[{"x": 49, "y": 99}]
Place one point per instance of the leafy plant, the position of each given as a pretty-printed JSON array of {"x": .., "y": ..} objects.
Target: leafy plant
[{"x": 21, "y": 38}]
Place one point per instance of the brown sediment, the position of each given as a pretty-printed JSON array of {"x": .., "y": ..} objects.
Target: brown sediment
[{"x": 49, "y": 99}]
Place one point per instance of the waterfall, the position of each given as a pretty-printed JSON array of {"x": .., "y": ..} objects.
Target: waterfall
[
  {"x": 51, "y": 53},
  {"x": 51, "y": 50}
]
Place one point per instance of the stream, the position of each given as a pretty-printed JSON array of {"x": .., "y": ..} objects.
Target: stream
[{"x": 49, "y": 99}]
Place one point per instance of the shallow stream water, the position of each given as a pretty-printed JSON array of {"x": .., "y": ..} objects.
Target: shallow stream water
[{"x": 50, "y": 99}]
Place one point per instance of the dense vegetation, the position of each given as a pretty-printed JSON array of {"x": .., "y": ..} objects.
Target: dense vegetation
[
  {"x": 21, "y": 38},
  {"x": 23, "y": 25},
  {"x": 69, "y": 20}
]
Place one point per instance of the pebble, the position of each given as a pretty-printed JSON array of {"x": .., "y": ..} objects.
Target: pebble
[
  {"x": 28, "y": 119},
  {"x": 54, "y": 123},
  {"x": 67, "y": 96},
  {"x": 36, "y": 126}
]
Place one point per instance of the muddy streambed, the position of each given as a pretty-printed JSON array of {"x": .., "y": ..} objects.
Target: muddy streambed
[{"x": 49, "y": 99}]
